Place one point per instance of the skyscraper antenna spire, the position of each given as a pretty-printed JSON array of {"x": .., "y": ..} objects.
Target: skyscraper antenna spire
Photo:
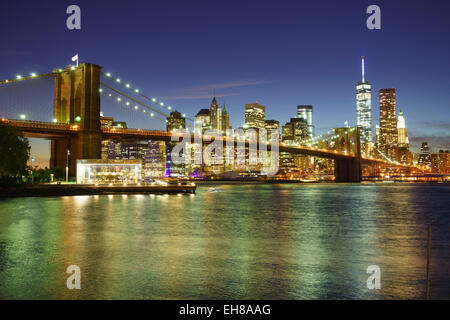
[{"x": 362, "y": 65}]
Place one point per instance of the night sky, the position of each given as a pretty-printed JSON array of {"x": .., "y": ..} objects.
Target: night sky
[{"x": 279, "y": 53}]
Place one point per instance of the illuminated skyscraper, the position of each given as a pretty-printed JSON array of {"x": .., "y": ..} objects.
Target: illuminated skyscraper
[
  {"x": 425, "y": 155},
  {"x": 295, "y": 130},
  {"x": 306, "y": 112},
  {"x": 272, "y": 125},
  {"x": 225, "y": 119},
  {"x": 401, "y": 128},
  {"x": 202, "y": 121},
  {"x": 388, "y": 123},
  {"x": 300, "y": 126},
  {"x": 216, "y": 115},
  {"x": 444, "y": 162},
  {"x": 175, "y": 121},
  {"x": 364, "y": 107},
  {"x": 155, "y": 159},
  {"x": 287, "y": 136},
  {"x": 219, "y": 118},
  {"x": 377, "y": 135},
  {"x": 255, "y": 116},
  {"x": 403, "y": 153}
]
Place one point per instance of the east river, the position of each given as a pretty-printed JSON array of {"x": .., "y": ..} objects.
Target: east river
[{"x": 230, "y": 241}]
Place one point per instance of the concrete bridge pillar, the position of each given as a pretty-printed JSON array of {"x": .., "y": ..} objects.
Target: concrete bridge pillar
[{"x": 77, "y": 101}]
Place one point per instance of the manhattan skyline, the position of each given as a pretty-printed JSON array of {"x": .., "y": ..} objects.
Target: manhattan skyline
[
  {"x": 225, "y": 157},
  {"x": 287, "y": 58}
]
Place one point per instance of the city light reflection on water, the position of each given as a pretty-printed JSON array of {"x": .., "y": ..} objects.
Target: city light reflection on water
[{"x": 238, "y": 242}]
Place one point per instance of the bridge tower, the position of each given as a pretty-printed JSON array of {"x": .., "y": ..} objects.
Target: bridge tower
[
  {"x": 77, "y": 101},
  {"x": 348, "y": 170}
]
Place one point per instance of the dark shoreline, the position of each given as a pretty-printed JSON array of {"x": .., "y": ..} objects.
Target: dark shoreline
[
  {"x": 54, "y": 190},
  {"x": 211, "y": 182}
]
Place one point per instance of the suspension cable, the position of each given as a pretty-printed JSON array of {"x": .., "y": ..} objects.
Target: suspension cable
[
  {"x": 136, "y": 108},
  {"x": 135, "y": 100},
  {"x": 136, "y": 91},
  {"x": 118, "y": 100}
]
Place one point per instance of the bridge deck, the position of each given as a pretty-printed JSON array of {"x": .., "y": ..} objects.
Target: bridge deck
[{"x": 60, "y": 130}]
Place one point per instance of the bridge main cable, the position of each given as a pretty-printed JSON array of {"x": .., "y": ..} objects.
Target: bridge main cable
[
  {"x": 138, "y": 102},
  {"x": 143, "y": 110},
  {"x": 20, "y": 78},
  {"x": 135, "y": 100},
  {"x": 136, "y": 91}
]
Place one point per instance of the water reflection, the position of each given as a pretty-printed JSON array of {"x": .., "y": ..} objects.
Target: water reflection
[{"x": 239, "y": 242}]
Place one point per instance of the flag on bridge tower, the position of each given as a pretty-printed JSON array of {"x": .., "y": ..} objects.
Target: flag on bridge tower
[{"x": 75, "y": 58}]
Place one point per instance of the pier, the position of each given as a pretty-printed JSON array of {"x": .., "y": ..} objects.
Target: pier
[{"x": 50, "y": 190}]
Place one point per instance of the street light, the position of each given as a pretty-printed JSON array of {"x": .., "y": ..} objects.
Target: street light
[
  {"x": 67, "y": 166},
  {"x": 23, "y": 117},
  {"x": 32, "y": 175}
]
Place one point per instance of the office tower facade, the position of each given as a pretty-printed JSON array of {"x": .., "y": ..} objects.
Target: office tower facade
[
  {"x": 225, "y": 119},
  {"x": 296, "y": 130},
  {"x": 175, "y": 121},
  {"x": 377, "y": 135},
  {"x": 306, "y": 112},
  {"x": 129, "y": 151},
  {"x": 434, "y": 159},
  {"x": 364, "y": 107},
  {"x": 271, "y": 126},
  {"x": 155, "y": 159},
  {"x": 219, "y": 117},
  {"x": 401, "y": 129},
  {"x": 287, "y": 136},
  {"x": 444, "y": 162},
  {"x": 440, "y": 162},
  {"x": 425, "y": 155},
  {"x": 108, "y": 152},
  {"x": 287, "y": 132},
  {"x": 106, "y": 122},
  {"x": 388, "y": 123},
  {"x": 215, "y": 112},
  {"x": 403, "y": 154},
  {"x": 301, "y": 134},
  {"x": 202, "y": 121},
  {"x": 255, "y": 116},
  {"x": 300, "y": 129}
]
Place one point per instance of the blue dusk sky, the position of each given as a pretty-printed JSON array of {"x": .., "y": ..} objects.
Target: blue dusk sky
[{"x": 279, "y": 53}]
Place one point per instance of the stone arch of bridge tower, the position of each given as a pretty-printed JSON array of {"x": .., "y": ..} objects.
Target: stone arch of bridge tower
[{"x": 348, "y": 140}]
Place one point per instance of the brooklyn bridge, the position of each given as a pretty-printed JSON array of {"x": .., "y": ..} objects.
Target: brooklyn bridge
[{"x": 76, "y": 125}]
